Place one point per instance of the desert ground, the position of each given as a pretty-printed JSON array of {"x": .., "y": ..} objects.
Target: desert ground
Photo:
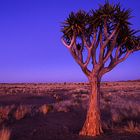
[{"x": 57, "y": 111}]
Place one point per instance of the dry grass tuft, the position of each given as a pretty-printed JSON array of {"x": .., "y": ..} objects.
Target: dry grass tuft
[
  {"x": 5, "y": 111},
  {"x": 21, "y": 112},
  {"x": 5, "y": 134},
  {"x": 45, "y": 108},
  {"x": 65, "y": 106},
  {"x": 132, "y": 127}
]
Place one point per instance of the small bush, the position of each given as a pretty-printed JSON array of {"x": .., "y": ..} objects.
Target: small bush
[
  {"x": 5, "y": 134},
  {"x": 132, "y": 127},
  {"x": 45, "y": 108},
  {"x": 5, "y": 111},
  {"x": 21, "y": 112}
]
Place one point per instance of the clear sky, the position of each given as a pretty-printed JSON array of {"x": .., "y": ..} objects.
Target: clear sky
[{"x": 30, "y": 46}]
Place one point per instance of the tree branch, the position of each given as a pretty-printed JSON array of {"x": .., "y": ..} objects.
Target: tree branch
[
  {"x": 111, "y": 35},
  {"x": 65, "y": 44},
  {"x": 124, "y": 58},
  {"x": 105, "y": 28},
  {"x": 95, "y": 44},
  {"x": 114, "y": 62},
  {"x": 137, "y": 48},
  {"x": 94, "y": 38},
  {"x": 88, "y": 57},
  {"x": 80, "y": 52},
  {"x": 84, "y": 69},
  {"x": 110, "y": 50},
  {"x": 117, "y": 51},
  {"x": 104, "y": 45}
]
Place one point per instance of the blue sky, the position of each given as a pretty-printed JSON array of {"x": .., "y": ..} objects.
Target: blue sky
[{"x": 30, "y": 46}]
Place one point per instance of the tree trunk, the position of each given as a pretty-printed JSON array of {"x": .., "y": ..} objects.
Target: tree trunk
[{"x": 92, "y": 125}]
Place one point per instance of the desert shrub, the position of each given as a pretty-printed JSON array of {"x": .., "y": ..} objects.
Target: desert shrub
[
  {"x": 21, "y": 112},
  {"x": 64, "y": 106},
  {"x": 45, "y": 109},
  {"x": 5, "y": 134},
  {"x": 119, "y": 115},
  {"x": 132, "y": 127},
  {"x": 5, "y": 111}
]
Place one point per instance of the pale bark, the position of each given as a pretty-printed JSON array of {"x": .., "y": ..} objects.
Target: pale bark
[{"x": 92, "y": 125}]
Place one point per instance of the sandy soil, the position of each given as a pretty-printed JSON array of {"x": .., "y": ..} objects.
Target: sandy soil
[{"x": 57, "y": 111}]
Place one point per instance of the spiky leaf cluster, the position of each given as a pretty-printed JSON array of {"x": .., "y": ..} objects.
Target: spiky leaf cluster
[
  {"x": 75, "y": 24},
  {"x": 106, "y": 16}
]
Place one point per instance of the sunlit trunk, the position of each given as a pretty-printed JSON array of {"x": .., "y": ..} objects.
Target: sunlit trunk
[{"x": 92, "y": 125}]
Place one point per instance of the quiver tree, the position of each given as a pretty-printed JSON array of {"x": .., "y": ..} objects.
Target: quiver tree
[{"x": 98, "y": 41}]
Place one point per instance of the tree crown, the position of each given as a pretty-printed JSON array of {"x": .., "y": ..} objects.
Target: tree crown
[{"x": 107, "y": 28}]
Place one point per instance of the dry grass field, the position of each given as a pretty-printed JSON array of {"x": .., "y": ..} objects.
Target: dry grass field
[{"x": 57, "y": 111}]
